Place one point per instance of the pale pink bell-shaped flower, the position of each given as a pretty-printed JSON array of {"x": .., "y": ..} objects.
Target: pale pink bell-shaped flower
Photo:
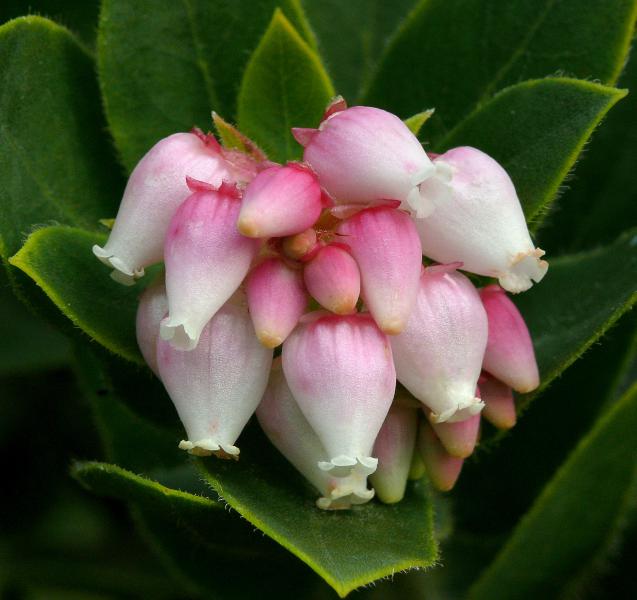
[
  {"x": 363, "y": 155},
  {"x": 155, "y": 189},
  {"x": 280, "y": 201},
  {"x": 276, "y": 298},
  {"x": 340, "y": 370},
  {"x": 217, "y": 386},
  {"x": 509, "y": 355},
  {"x": 394, "y": 448},
  {"x": 385, "y": 244},
  {"x": 333, "y": 279},
  {"x": 442, "y": 469},
  {"x": 283, "y": 422},
  {"x": 152, "y": 308},
  {"x": 206, "y": 259},
  {"x": 459, "y": 439},
  {"x": 439, "y": 354},
  {"x": 478, "y": 220},
  {"x": 499, "y": 405}
]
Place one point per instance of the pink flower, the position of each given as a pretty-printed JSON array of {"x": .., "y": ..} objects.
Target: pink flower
[
  {"x": 478, "y": 221},
  {"x": 499, "y": 405},
  {"x": 459, "y": 439},
  {"x": 153, "y": 306},
  {"x": 206, "y": 260},
  {"x": 442, "y": 469},
  {"x": 340, "y": 370},
  {"x": 155, "y": 189}
]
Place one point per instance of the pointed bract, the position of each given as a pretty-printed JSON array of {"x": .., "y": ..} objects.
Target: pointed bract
[
  {"x": 439, "y": 354},
  {"x": 276, "y": 298},
  {"x": 509, "y": 355},
  {"x": 385, "y": 244},
  {"x": 152, "y": 308},
  {"x": 478, "y": 220},
  {"x": 155, "y": 189},
  {"x": 340, "y": 370},
  {"x": 206, "y": 260},
  {"x": 499, "y": 405},
  {"x": 217, "y": 386},
  {"x": 442, "y": 469}
]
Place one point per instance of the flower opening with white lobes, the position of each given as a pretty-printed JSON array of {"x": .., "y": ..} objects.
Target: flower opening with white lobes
[{"x": 387, "y": 363}]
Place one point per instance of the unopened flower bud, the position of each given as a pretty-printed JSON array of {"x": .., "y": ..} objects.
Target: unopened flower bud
[
  {"x": 394, "y": 448},
  {"x": 363, "y": 155},
  {"x": 297, "y": 246},
  {"x": 499, "y": 405},
  {"x": 439, "y": 354},
  {"x": 417, "y": 467},
  {"x": 442, "y": 469},
  {"x": 333, "y": 279},
  {"x": 340, "y": 370},
  {"x": 478, "y": 221},
  {"x": 276, "y": 298},
  {"x": 509, "y": 355},
  {"x": 152, "y": 308},
  {"x": 280, "y": 201},
  {"x": 155, "y": 189},
  {"x": 385, "y": 244},
  {"x": 206, "y": 260},
  {"x": 459, "y": 439},
  {"x": 217, "y": 386}
]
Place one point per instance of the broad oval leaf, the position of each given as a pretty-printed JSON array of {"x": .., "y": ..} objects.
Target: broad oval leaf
[
  {"x": 536, "y": 130},
  {"x": 165, "y": 65},
  {"x": 55, "y": 162},
  {"x": 284, "y": 86},
  {"x": 454, "y": 54},
  {"x": 574, "y": 516}
]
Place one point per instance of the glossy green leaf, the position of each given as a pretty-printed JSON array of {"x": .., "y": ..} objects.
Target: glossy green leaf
[
  {"x": 55, "y": 162},
  {"x": 536, "y": 130},
  {"x": 348, "y": 549},
  {"x": 416, "y": 121},
  {"x": 352, "y": 36},
  {"x": 453, "y": 55},
  {"x": 59, "y": 259},
  {"x": 164, "y": 65},
  {"x": 284, "y": 86},
  {"x": 574, "y": 514}
]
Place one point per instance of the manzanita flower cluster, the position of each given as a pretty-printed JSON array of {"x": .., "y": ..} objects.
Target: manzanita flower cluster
[{"x": 324, "y": 257}]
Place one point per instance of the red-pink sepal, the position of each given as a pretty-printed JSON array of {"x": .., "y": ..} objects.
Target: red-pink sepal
[
  {"x": 280, "y": 201},
  {"x": 276, "y": 298},
  {"x": 341, "y": 372},
  {"x": 304, "y": 135},
  {"x": 442, "y": 469},
  {"x": 337, "y": 104},
  {"x": 152, "y": 308},
  {"x": 206, "y": 260},
  {"x": 394, "y": 448},
  {"x": 499, "y": 404},
  {"x": 333, "y": 279},
  {"x": 386, "y": 246},
  {"x": 509, "y": 355},
  {"x": 460, "y": 438}
]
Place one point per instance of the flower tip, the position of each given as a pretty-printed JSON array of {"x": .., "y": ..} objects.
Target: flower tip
[
  {"x": 121, "y": 273},
  {"x": 208, "y": 447},
  {"x": 343, "y": 466},
  {"x": 392, "y": 326},
  {"x": 269, "y": 340},
  {"x": 178, "y": 335},
  {"x": 526, "y": 268},
  {"x": 248, "y": 227}
]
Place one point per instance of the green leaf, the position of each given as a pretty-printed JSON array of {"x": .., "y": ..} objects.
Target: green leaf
[
  {"x": 55, "y": 162},
  {"x": 574, "y": 514},
  {"x": 348, "y": 549},
  {"x": 454, "y": 54},
  {"x": 284, "y": 86},
  {"x": 59, "y": 259},
  {"x": 536, "y": 130},
  {"x": 164, "y": 65},
  {"x": 352, "y": 36},
  {"x": 416, "y": 122}
]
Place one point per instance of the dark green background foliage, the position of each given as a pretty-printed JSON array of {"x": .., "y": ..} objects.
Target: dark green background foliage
[{"x": 98, "y": 503}]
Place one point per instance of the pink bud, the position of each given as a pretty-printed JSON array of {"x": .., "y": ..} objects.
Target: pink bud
[
  {"x": 394, "y": 448},
  {"x": 340, "y": 370},
  {"x": 417, "y": 468},
  {"x": 459, "y": 439},
  {"x": 386, "y": 247},
  {"x": 206, "y": 260},
  {"x": 509, "y": 355},
  {"x": 280, "y": 201},
  {"x": 217, "y": 386},
  {"x": 442, "y": 469},
  {"x": 152, "y": 308},
  {"x": 333, "y": 279},
  {"x": 155, "y": 189},
  {"x": 478, "y": 220},
  {"x": 277, "y": 300},
  {"x": 283, "y": 422},
  {"x": 297, "y": 246},
  {"x": 363, "y": 154},
  {"x": 499, "y": 405},
  {"x": 439, "y": 355}
]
